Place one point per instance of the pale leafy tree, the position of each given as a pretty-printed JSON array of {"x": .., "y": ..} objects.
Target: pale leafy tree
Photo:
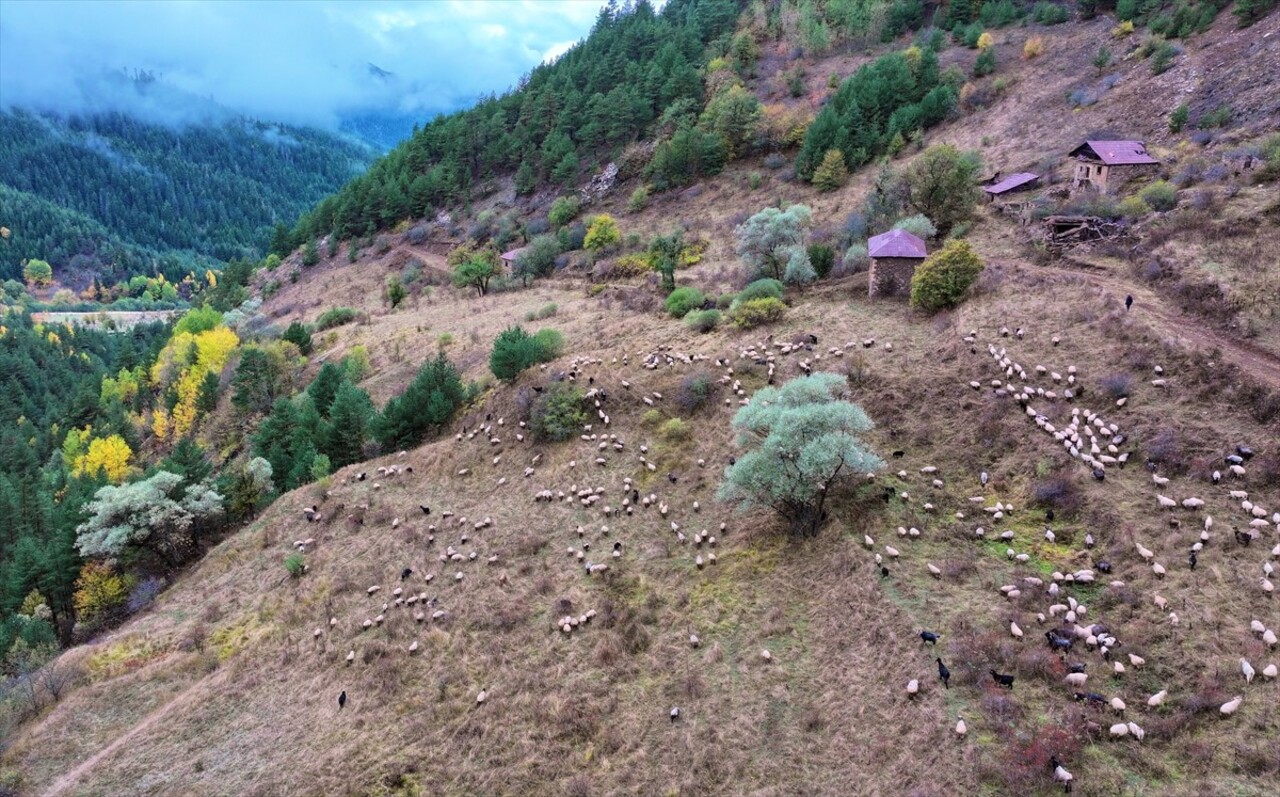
[
  {"x": 799, "y": 267},
  {"x": 768, "y": 241},
  {"x": 802, "y": 440},
  {"x": 153, "y": 515}
]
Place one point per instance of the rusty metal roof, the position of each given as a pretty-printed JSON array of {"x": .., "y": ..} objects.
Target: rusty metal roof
[
  {"x": 511, "y": 256},
  {"x": 896, "y": 243},
  {"x": 1116, "y": 153},
  {"x": 1011, "y": 182}
]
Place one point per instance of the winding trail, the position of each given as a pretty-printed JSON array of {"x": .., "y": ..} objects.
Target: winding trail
[
  {"x": 187, "y": 696},
  {"x": 1170, "y": 322}
]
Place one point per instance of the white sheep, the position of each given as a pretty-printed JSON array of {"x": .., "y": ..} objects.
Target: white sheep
[
  {"x": 1158, "y": 698},
  {"x": 1247, "y": 670},
  {"x": 1228, "y": 708}
]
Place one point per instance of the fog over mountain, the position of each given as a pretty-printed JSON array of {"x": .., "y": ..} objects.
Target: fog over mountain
[{"x": 375, "y": 65}]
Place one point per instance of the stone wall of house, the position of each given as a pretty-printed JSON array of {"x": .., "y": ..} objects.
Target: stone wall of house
[{"x": 891, "y": 276}]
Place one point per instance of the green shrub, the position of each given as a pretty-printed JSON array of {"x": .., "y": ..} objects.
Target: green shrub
[
  {"x": 702, "y": 320},
  {"x": 943, "y": 279},
  {"x": 559, "y": 413},
  {"x": 1219, "y": 117},
  {"x": 725, "y": 300},
  {"x": 757, "y": 312},
  {"x": 300, "y": 336},
  {"x": 760, "y": 289},
  {"x": 1160, "y": 195},
  {"x": 295, "y": 564},
  {"x": 1133, "y": 207},
  {"x": 985, "y": 63},
  {"x": 651, "y": 417},
  {"x": 855, "y": 259},
  {"x": 755, "y": 180},
  {"x": 639, "y": 199},
  {"x": 683, "y": 300},
  {"x": 831, "y": 172},
  {"x": 1049, "y": 13},
  {"x": 1162, "y": 54},
  {"x": 822, "y": 258},
  {"x": 335, "y": 317},
  {"x": 564, "y": 210},
  {"x": 550, "y": 343},
  {"x": 514, "y": 350},
  {"x": 695, "y": 390},
  {"x": 674, "y": 431},
  {"x": 918, "y": 225},
  {"x": 396, "y": 292},
  {"x": 1178, "y": 119}
]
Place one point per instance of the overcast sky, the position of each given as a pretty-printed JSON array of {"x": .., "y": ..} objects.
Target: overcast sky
[{"x": 296, "y": 61}]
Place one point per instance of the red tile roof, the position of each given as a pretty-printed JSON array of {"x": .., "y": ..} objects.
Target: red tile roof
[
  {"x": 896, "y": 243},
  {"x": 1115, "y": 153},
  {"x": 1011, "y": 182}
]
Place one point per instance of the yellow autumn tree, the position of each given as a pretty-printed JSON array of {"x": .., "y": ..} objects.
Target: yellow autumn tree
[
  {"x": 184, "y": 362},
  {"x": 75, "y": 445},
  {"x": 107, "y": 455},
  {"x": 100, "y": 590},
  {"x": 160, "y": 424}
]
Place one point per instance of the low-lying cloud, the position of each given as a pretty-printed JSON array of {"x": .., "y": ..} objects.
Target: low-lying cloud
[{"x": 315, "y": 62}]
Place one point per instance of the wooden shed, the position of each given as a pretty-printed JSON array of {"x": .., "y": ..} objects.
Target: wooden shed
[
  {"x": 1095, "y": 161},
  {"x": 1022, "y": 181},
  {"x": 894, "y": 257}
]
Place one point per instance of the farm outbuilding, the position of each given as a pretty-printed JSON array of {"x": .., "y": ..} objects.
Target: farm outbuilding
[
  {"x": 509, "y": 258},
  {"x": 1022, "y": 181},
  {"x": 894, "y": 257},
  {"x": 1095, "y": 161}
]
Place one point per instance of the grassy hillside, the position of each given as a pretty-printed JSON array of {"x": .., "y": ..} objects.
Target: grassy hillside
[{"x": 230, "y": 684}]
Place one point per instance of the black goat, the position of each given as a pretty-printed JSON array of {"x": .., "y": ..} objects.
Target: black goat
[
  {"x": 930, "y": 637},
  {"x": 408, "y": 571},
  {"x": 944, "y": 674},
  {"x": 342, "y": 700},
  {"x": 1002, "y": 680},
  {"x": 1057, "y": 642}
]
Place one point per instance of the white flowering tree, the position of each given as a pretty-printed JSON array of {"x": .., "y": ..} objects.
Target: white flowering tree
[
  {"x": 801, "y": 438},
  {"x": 154, "y": 515}
]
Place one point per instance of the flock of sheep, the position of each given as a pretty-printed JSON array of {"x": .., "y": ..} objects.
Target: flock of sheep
[
  {"x": 1097, "y": 443},
  {"x": 614, "y": 514}
]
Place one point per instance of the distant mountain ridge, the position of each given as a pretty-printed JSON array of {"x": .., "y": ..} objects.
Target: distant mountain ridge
[{"x": 114, "y": 195}]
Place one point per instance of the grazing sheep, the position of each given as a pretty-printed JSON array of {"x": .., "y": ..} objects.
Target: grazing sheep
[
  {"x": 1247, "y": 670},
  {"x": 1060, "y": 774},
  {"x": 1119, "y": 730},
  {"x": 1118, "y": 706},
  {"x": 1158, "y": 698},
  {"x": 913, "y": 688},
  {"x": 1269, "y": 672},
  {"x": 1228, "y": 708},
  {"x": 961, "y": 728},
  {"x": 1136, "y": 731},
  {"x": 1077, "y": 679}
]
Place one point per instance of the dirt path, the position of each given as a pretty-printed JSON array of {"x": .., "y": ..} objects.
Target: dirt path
[
  {"x": 65, "y": 782},
  {"x": 1173, "y": 323}
]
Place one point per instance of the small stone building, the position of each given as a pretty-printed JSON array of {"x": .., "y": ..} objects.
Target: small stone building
[
  {"x": 1103, "y": 164},
  {"x": 509, "y": 258},
  {"x": 894, "y": 257}
]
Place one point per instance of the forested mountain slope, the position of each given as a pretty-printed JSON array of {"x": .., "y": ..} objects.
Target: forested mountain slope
[{"x": 112, "y": 196}]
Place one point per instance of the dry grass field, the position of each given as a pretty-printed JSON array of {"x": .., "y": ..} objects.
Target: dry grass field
[
  {"x": 222, "y": 688},
  {"x": 229, "y": 685}
]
